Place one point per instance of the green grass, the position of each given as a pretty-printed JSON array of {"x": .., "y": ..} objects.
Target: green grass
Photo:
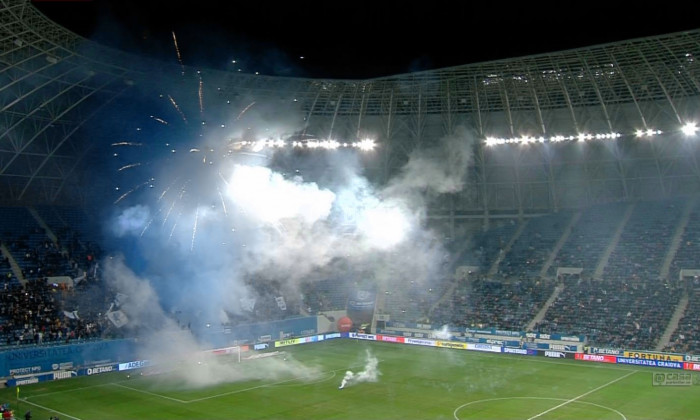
[{"x": 415, "y": 383}]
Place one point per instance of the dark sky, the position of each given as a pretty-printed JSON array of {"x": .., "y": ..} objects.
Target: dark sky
[{"x": 360, "y": 39}]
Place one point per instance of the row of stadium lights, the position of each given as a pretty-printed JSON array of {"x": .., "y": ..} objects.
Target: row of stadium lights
[
  {"x": 689, "y": 129},
  {"x": 364, "y": 145}
]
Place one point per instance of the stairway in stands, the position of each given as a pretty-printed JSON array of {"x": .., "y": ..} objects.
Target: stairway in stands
[{"x": 673, "y": 323}]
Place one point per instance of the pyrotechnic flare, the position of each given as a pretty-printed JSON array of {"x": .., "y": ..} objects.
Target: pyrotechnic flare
[{"x": 369, "y": 374}]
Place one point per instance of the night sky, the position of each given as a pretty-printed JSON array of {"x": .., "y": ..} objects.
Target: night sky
[{"x": 360, "y": 39}]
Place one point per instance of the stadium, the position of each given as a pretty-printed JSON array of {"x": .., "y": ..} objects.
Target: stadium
[{"x": 517, "y": 238}]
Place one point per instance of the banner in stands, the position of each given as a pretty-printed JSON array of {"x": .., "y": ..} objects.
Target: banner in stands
[
  {"x": 452, "y": 345},
  {"x": 361, "y": 306},
  {"x": 691, "y": 366},
  {"x": 555, "y": 354},
  {"x": 43, "y": 359},
  {"x": 602, "y": 350},
  {"x": 692, "y": 358},
  {"x": 522, "y": 352},
  {"x": 484, "y": 347},
  {"x": 649, "y": 362},
  {"x": 557, "y": 347},
  {"x": 41, "y": 377},
  {"x": 390, "y": 338},
  {"x": 600, "y": 358},
  {"x": 653, "y": 356},
  {"x": 420, "y": 342},
  {"x": 493, "y": 331},
  {"x": 556, "y": 337}
]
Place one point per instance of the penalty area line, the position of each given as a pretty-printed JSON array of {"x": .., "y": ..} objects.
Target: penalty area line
[
  {"x": 50, "y": 409},
  {"x": 582, "y": 395},
  {"x": 149, "y": 393}
]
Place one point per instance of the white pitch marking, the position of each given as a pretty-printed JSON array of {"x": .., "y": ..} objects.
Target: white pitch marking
[
  {"x": 50, "y": 409},
  {"x": 150, "y": 393},
  {"x": 534, "y": 398},
  {"x": 582, "y": 395}
]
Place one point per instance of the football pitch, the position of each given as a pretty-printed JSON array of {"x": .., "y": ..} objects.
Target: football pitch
[{"x": 413, "y": 383}]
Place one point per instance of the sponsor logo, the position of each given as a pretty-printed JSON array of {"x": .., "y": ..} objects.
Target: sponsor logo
[
  {"x": 366, "y": 336},
  {"x": 133, "y": 365},
  {"x": 334, "y": 335},
  {"x": 514, "y": 351},
  {"x": 601, "y": 358},
  {"x": 692, "y": 358},
  {"x": 560, "y": 347},
  {"x": 32, "y": 380},
  {"x": 599, "y": 350},
  {"x": 654, "y": 356},
  {"x": 498, "y": 342},
  {"x": 649, "y": 362},
  {"x": 569, "y": 338},
  {"x": 100, "y": 369},
  {"x": 25, "y": 370},
  {"x": 63, "y": 375},
  {"x": 420, "y": 342},
  {"x": 262, "y": 346},
  {"x": 484, "y": 347},
  {"x": 555, "y": 354},
  {"x": 451, "y": 345}
]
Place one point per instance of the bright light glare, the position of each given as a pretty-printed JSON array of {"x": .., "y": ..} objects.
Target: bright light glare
[
  {"x": 384, "y": 226},
  {"x": 689, "y": 129},
  {"x": 365, "y": 145}
]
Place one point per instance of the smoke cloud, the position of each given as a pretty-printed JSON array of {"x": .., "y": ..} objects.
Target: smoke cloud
[
  {"x": 221, "y": 229},
  {"x": 370, "y": 373}
]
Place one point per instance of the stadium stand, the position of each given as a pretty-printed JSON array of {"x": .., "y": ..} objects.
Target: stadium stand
[{"x": 686, "y": 338}]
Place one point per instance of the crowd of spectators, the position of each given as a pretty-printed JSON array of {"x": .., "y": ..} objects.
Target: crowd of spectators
[
  {"x": 486, "y": 246},
  {"x": 33, "y": 314},
  {"x": 36, "y": 308},
  {"x": 485, "y": 303},
  {"x": 629, "y": 308},
  {"x": 530, "y": 251},
  {"x": 686, "y": 338},
  {"x": 590, "y": 237},
  {"x": 613, "y": 313},
  {"x": 645, "y": 241},
  {"x": 686, "y": 256}
]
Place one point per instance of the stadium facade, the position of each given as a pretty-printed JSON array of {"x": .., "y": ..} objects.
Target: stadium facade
[{"x": 553, "y": 131}]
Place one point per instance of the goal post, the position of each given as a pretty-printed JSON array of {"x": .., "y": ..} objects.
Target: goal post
[{"x": 234, "y": 352}]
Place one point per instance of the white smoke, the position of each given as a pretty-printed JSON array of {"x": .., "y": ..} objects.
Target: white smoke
[
  {"x": 370, "y": 373},
  {"x": 168, "y": 346},
  {"x": 218, "y": 223},
  {"x": 443, "y": 333},
  {"x": 131, "y": 221}
]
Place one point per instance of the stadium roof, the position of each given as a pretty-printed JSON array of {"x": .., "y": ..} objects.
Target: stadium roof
[{"x": 56, "y": 85}]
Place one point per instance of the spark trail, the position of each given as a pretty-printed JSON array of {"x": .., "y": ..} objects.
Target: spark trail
[
  {"x": 126, "y": 194},
  {"x": 177, "y": 51},
  {"x": 177, "y": 108},
  {"x": 194, "y": 228},
  {"x": 244, "y": 110},
  {"x": 129, "y": 166}
]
